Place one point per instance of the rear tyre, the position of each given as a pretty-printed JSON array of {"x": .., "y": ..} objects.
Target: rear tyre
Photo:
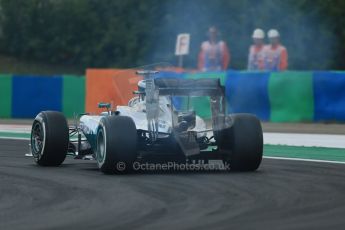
[
  {"x": 242, "y": 143},
  {"x": 49, "y": 138},
  {"x": 116, "y": 144}
]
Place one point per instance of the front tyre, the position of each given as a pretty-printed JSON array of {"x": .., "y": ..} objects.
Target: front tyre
[
  {"x": 116, "y": 144},
  {"x": 49, "y": 138}
]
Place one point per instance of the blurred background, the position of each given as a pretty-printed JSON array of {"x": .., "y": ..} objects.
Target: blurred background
[
  {"x": 68, "y": 55},
  {"x": 67, "y": 36}
]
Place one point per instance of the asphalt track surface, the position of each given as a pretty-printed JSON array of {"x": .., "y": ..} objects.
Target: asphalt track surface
[{"x": 282, "y": 194}]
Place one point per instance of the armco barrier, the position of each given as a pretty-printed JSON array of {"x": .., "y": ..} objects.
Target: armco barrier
[
  {"x": 109, "y": 85},
  {"x": 291, "y": 96},
  {"x": 248, "y": 93},
  {"x": 329, "y": 96},
  {"x": 73, "y": 95},
  {"x": 25, "y": 96},
  {"x": 32, "y": 94},
  {"x": 5, "y": 95},
  {"x": 277, "y": 97},
  {"x": 115, "y": 86}
]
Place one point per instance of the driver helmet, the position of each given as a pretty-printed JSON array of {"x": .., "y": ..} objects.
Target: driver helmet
[{"x": 141, "y": 86}]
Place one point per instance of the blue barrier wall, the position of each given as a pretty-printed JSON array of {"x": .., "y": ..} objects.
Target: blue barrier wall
[
  {"x": 279, "y": 97},
  {"x": 247, "y": 93},
  {"x": 32, "y": 94},
  {"x": 329, "y": 96}
]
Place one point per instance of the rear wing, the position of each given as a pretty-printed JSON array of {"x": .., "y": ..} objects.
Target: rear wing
[
  {"x": 155, "y": 87},
  {"x": 189, "y": 87},
  {"x": 181, "y": 87}
]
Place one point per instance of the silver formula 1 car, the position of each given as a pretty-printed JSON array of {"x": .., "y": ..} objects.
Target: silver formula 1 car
[{"x": 158, "y": 123}]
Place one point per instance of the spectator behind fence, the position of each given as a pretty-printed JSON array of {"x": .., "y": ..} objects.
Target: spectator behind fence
[
  {"x": 256, "y": 51},
  {"x": 214, "y": 54},
  {"x": 276, "y": 56}
]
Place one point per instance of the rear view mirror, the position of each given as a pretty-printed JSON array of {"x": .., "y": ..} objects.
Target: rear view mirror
[{"x": 103, "y": 105}]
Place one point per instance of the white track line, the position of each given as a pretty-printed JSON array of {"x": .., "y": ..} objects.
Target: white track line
[
  {"x": 307, "y": 140},
  {"x": 15, "y": 138},
  {"x": 15, "y": 128},
  {"x": 303, "y": 159}
]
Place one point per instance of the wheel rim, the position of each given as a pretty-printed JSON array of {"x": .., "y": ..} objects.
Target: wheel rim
[
  {"x": 37, "y": 139},
  {"x": 101, "y": 148}
]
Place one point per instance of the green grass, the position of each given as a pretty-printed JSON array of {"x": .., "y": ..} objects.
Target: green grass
[{"x": 13, "y": 65}]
